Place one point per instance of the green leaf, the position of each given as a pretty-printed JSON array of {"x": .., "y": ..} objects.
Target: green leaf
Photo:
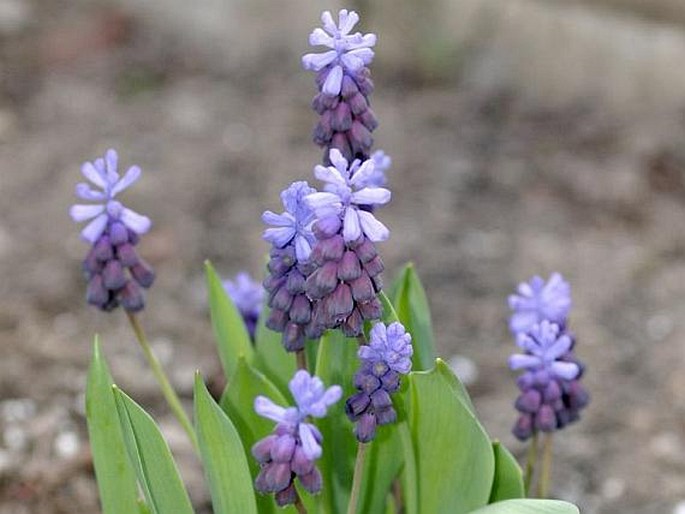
[
  {"x": 508, "y": 483},
  {"x": 409, "y": 477},
  {"x": 271, "y": 358},
  {"x": 454, "y": 457},
  {"x": 336, "y": 364},
  {"x": 238, "y": 403},
  {"x": 389, "y": 314},
  {"x": 116, "y": 478},
  {"x": 223, "y": 456},
  {"x": 231, "y": 335},
  {"x": 413, "y": 311},
  {"x": 151, "y": 458},
  {"x": 383, "y": 464},
  {"x": 528, "y": 507}
]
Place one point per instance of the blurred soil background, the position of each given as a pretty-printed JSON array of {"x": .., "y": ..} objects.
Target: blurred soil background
[{"x": 527, "y": 137}]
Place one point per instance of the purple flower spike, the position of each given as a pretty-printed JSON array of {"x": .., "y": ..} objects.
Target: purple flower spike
[
  {"x": 114, "y": 271},
  {"x": 346, "y": 190},
  {"x": 248, "y": 296},
  {"x": 344, "y": 85},
  {"x": 537, "y": 300},
  {"x": 383, "y": 361},
  {"x": 290, "y": 451},
  {"x": 551, "y": 395}
]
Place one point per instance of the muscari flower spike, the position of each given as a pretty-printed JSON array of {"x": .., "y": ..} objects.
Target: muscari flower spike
[
  {"x": 248, "y": 296},
  {"x": 114, "y": 271},
  {"x": 383, "y": 361},
  {"x": 345, "y": 284},
  {"x": 551, "y": 393},
  {"x": 537, "y": 300},
  {"x": 344, "y": 85},
  {"x": 289, "y": 265},
  {"x": 291, "y": 450}
]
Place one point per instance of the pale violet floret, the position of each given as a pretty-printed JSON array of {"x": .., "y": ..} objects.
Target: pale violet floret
[
  {"x": 311, "y": 399},
  {"x": 390, "y": 345},
  {"x": 382, "y": 163},
  {"x": 347, "y": 190},
  {"x": 348, "y": 52},
  {"x": 544, "y": 345},
  {"x": 103, "y": 174},
  {"x": 537, "y": 300},
  {"x": 294, "y": 224}
]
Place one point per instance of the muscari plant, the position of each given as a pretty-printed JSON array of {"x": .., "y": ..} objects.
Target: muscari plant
[{"x": 335, "y": 400}]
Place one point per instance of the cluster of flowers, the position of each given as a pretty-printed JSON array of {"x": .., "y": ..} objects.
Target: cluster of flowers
[{"x": 551, "y": 395}]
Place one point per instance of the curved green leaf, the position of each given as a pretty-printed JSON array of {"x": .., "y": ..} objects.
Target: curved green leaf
[
  {"x": 454, "y": 457},
  {"x": 151, "y": 458},
  {"x": 116, "y": 478},
  {"x": 223, "y": 456},
  {"x": 413, "y": 311},
  {"x": 528, "y": 507},
  {"x": 271, "y": 358},
  {"x": 508, "y": 483},
  {"x": 231, "y": 335},
  {"x": 383, "y": 464},
  {"x": 336, "y": 363}
]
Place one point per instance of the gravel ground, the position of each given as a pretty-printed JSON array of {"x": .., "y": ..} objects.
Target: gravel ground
[{"x": 489, "y": 188}]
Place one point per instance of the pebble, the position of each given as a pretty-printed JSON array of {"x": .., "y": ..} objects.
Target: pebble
[{"x": 67, "y": 444}]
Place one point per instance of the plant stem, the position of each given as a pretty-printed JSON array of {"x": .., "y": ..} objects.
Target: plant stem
[
  {"x": 301, "y": 357},
  {"x": 546, "y": 474},
  {"x": 530, "y": 463},
  {"x": 164, "y": 384},
  {"x": 301, "y": 509},
  {"x": 357, "y": 480}
]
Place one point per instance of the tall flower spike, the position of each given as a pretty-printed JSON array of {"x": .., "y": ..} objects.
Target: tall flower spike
[
  {"x": 114, "y": 271},
  {"x": 551, "y": 394},
  {"x": 347, "y": 279},
  {"x": 248, "y": 296},
  {"x": 289, "y": 266},
  {"x": 383, "y": 361},
  {"x": 295, "y": 444},
  {"x": 344, "y": 86},
  {"x": 537, "y": 300}
]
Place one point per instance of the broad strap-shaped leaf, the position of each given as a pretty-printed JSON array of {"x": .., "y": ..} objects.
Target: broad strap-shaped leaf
[
  {"x": 336, "y": 364},
  {"x": 508, "y": 483},
  {"x": 454, "y": 458},
  {"x": 389, "y": 313},
  {"x": 116, "y": 477},
  {"x": 271, "y": 358},
  {"x": 528, "y": 507},
  {"x": 413, "y": 311},
  {"x": 151, "y": 458},
  {"x": 223, "y": 456},
  {"x": 238, "y": 403},
  {"x": 231, "y": 335},
  {"x": 383, "y": 465}
]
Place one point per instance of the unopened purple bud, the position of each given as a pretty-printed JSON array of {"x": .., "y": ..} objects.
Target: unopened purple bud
[
  {"x": 327, "y": 227},
  {"x": 143, "y": 274},
  {"x": 287, "y": 496},
  {"x": 311, "y": 482},
  {"x": 379, "y": 368},
  {"x": 525, "y": 381},
  {"x": 113, "y": 275},
  {"x": 380, "y": 399},
  {"x": 349, "y": 87},
  {"x": 342, "y": 143},
  {"x": 386, "y": 416},
  {"x": 524, "y": 427},
  {"x": 330, "y": 249},
  {"x": 295, "y": 282},
  {"x": 369, "y": 120},
  {"x": 552, "y": 392},
  {"x": 353, "y": 325},
  {"x": 118, "y": 233},
  {"x": 356, "y": 405},
  {"x": 529, "y": 401},
  {"x": 340, "y": 303},
  {"x": 362, "y": 288},
  {"x": 578, "y": 397},
  {"x": 262, "y": 448},
  {"x": 371, "y": 310},
  {"x": 349, "y": 268},
  {"x": 282, "y": 299},
  {"x": 273, "y": 282},
  {"x": 365, "y": 430},
  {"x": 278, "y": 476},
  {"x": 301, "y": 310},
  {"x": 366, "y": 382},
  {"x": 132, "y": 297},
  {"x": 96, "y": 294},
  {"x": 127, "y": 255},
  {"x": 323, "y": 281},
  {"x": 103, "y": 249},
  {"x": 283, "y": 448},
  {"x": 358, "y": 104},
  {"x": 391, "y": 381},
  {"x": 360, "y": 138},
  {"x": 293, "y": 337},
  {"x": 366, "y": 251},
  {"x": 277, "y": 320},
  {"x": 545, "y": 419},
  {"x": 374, "y": 266},
  {"x": 341, "y": 120},
  {"x": 300, "y": 464}
]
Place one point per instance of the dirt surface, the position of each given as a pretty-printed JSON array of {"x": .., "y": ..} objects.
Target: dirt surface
[{"x": 488, "y": 189}]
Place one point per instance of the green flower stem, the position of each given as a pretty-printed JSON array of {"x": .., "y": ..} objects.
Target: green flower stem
[
  {"x": 301, "y": 359},
  {"x": 357, "y": 480},
  {"x": 530, "y": 463},
  {"x": 546, "y": 473},
  {"x": 164, "y": 384},
  {"x": 301, "y": 509}
]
